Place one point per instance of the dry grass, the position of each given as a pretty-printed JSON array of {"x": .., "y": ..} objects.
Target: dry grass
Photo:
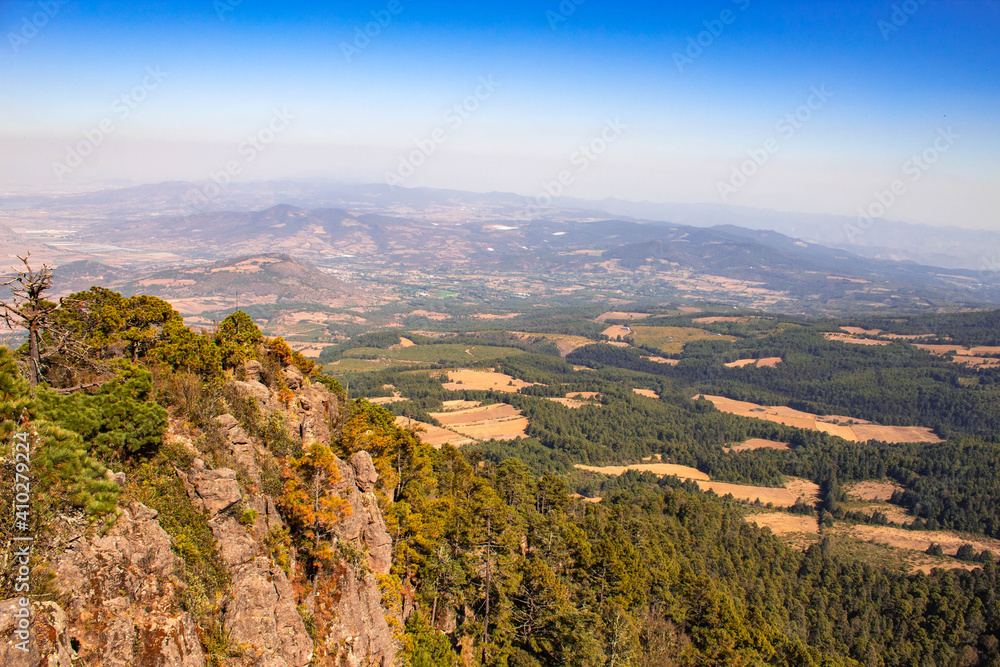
[
  {"x": 459, "y": 404},
  {"x": 484, "y": 380},
  {"x": 662, "y": 360},
  {"x": 429, "y": 314},
  {"x": 616, "y": 330},
  {"x": 918, "y": 540},
  {"x": 741, "y": 363},
  {"x": 797, "y": 530},
  {"x": 385, "y": 400},
  {"x": 648, "y": 393},
  {"x": 768, "y": 362},
  {"x": 565, "y": 343},
  {"x": 880, "y": 491},
  {"x": 620, "y": 315},
  {"x": 664, "y": 469},
  {"x": 433, "y": 435},
  {"x": 713, "y": 320},
  {"x": 859, "y": 431},
  {"x": 782, "y": 497},
  {"x": 844, "y": 338},
  {"x": 758, "y": 443},
  {"x": 490, "y": 316},
  {"x": 573, "y": 403},
  {"x": 500, "y": 421},
  {"x": 671, "y": 340}
]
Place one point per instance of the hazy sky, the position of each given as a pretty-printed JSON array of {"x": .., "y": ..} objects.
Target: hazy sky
[{"x": 816, "y": 107}]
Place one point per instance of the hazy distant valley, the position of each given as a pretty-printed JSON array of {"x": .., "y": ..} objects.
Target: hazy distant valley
[{"x": 334, "y": 256}]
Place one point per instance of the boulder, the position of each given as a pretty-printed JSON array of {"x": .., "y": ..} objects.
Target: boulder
[{"x": 215, "y": 490}]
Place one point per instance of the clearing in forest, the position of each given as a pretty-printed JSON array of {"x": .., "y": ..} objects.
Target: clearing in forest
[
  {"x": 485, "y": 422},
  {"x": 846, "y": 338},
  {"x": 648, "y": 393},
  {"x": 758, "y": 443},
  {"x": 766, "y": 362},
  {"x": 579, "y": 399},
  {"x": 434, "y": 435},
  {"x": 713, "y": 320},
  {"x": 663, "y": 360},
  {"x": 620, "y": 315},
  {"x": 856, "y": 430},
  {"x": 798, "y": 530},
  {"x": 616, "y": 331},
  {"x": 565, "y": 343},
  {"x": 917, "y": 540},
  {"x": 785, "y": 496},
  {"x": 488, "y": 379},
  {"x": 671, "y": 340}
]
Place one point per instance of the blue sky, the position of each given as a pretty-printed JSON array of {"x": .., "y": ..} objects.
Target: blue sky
[{"x": 893, "y": 77}]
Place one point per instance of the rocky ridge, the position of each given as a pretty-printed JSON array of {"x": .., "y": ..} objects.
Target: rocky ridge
[{"x": 120, "y": 593}]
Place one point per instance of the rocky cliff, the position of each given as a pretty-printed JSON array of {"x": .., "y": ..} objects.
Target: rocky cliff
[{"x": 118, "y": 595}]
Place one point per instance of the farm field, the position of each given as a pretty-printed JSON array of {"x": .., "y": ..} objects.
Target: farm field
[
  {"x": 483, "y": 379},
  {"x": 485, "y": 422},
  {"x": 648, "y": 393},
  {"x": 767, "y": 362},
  {"x": 436, "y": 353},
  {"x": 433, "y": 435},
  {"x": 854, "y": 340},
  {"x": 917, "y": 540},
  {"x": 620, "y": 315},
  {"x": 758, "y": 443},
  {"x": 565, "y": 343},
  {"x": 859, "y": 431},
  {"x": 671, "y": 340},
  {"x": 662, "y": 360},
  {"x": 616, "y": 331},
  {"x": 797, "y": 530},
  {"x": 785, "y": 496},
  {"x": 573, "y": 403},
  {"x": 684, "y": 472}
]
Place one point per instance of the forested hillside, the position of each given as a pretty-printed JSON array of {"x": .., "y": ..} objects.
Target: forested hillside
[{"x": 488, "y": 556}]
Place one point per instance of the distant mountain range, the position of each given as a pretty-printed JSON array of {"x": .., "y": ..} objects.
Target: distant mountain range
[
  {"x": 945, "y": 247},
  {"x": 555, "y": 245},
  {"x": 393, "y": 238},
  {"x": 271, "y": 278}
]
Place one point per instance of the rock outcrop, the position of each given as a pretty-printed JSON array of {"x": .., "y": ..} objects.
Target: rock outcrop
[{"x": 120, "y": 604}]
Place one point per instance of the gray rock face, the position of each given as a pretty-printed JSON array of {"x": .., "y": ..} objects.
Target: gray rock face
[
  {"x": 240, "y": 445},
  {"x": 261, "y": 613},
  {"x": 120, "y": 606},
  {"x": 215, "y": 490},
  {"x": 253, "y": 388},
  {"x": 360, "y": 627}
]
